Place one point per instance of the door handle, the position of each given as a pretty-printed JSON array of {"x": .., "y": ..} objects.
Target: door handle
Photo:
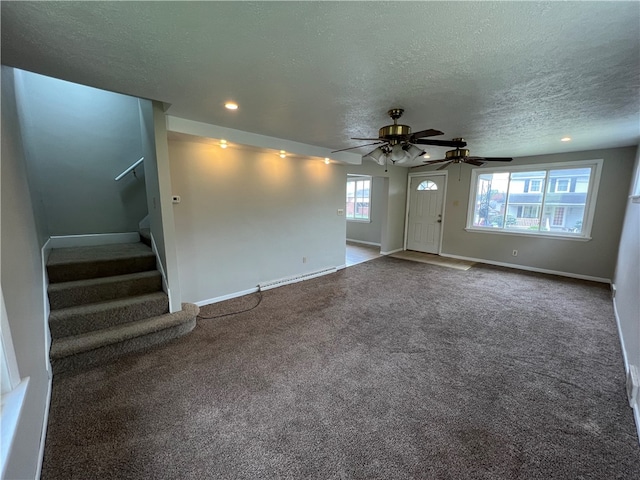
[{"x": 439, "y": 221}]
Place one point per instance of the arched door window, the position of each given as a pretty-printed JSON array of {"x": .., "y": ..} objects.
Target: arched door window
[{"x": 427, "y": 185}]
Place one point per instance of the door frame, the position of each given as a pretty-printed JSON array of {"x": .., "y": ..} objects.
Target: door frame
[{"x": 444, "y": 202}]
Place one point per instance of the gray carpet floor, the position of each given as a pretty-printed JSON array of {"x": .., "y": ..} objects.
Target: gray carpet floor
[{"x": 386, "y": 370}]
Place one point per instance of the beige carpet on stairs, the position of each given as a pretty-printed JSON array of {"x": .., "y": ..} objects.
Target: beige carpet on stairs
[{"x": 433, "y": 259}]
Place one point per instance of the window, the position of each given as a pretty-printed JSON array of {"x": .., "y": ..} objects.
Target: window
[
  {"x": 358, "y": 198},
  {"x": 535, "y": 186},
  {"x": 562, "y": 185},
  {"x": 427, "y": 185},
  {"x": 554, "y": 199}
]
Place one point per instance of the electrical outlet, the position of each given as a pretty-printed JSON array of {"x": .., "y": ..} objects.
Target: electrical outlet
[
  {"x": 341, "y": 211},
  {"x": 514, "y": 253},
  {"x": 176, "y": 199}
]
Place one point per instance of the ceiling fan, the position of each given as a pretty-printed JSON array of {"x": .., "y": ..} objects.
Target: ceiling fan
[
  {"x": 461, "y": 155},
  {"x": 398, "y": 145}
]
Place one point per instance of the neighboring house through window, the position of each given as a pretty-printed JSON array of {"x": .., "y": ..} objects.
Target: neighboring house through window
[
  {"x": 553, "y": 199},
  {"x": 359, "y": 198}
]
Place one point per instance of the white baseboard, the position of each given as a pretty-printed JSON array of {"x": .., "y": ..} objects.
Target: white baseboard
[
  {"x": 625, "y": 358},
  {"x": 529, "y": 269},
  {"x": 341, "y": 267},
  {"x": 45, "y": 423},
  {"x": 44, "y": 256},
  {"x": 391, "y": 252},
  {"x": 363, "y": 242},
  {"x": 268, "y": 285},
  {"x": 66, "y": 241},
  {"x": 636, "y": 416},
  {"x": 222, "y": 298}
]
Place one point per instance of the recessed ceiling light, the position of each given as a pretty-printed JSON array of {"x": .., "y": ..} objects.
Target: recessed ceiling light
[
  {"x": 327, "y": 161},
  {"x": 223, "y": 143},
  {"x": 231, "y": 106},
  {"x": 426, "y": 155},
  {"x": 565, "y": 139},
  {"x": 283, "y": 154}
]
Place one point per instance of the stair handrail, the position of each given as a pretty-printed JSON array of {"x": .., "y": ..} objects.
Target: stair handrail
[{"x": 133, "y": 166}]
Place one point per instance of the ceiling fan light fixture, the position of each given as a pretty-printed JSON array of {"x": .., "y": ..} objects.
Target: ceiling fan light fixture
[
  {"x": 378, "y": 156},
  {"x": 398, "y": 154},
  {"x": 412, "y": 151}
]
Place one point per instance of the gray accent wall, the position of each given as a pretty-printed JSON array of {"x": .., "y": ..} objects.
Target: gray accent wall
[
  {"x": 248, "y": 217},
  {"x": 595, "y": 258},
  {"x": 371, "y": 232},
  {"x": 22, "y": 286},
  {"x": 392, "y": 207},
  {"x": 78, "y": 139},
  {"x": 627, "y": 278}
]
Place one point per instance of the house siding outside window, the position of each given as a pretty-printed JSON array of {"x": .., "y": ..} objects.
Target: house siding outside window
[{"x": 554, "y": 200}]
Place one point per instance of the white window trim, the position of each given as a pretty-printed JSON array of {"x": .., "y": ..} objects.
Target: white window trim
[
  {"x": 355, "y": 178},
  {"x": 590, "y": 204}
]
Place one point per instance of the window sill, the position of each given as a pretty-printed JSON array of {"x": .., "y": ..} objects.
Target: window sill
[
  {"x": 358, "y": 220},
  {"x": 554, "y": 236},
  {"x": 12, "y": 403}
]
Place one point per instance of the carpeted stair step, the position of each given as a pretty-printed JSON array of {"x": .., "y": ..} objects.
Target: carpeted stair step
[
  {"x": 79, "y": 263},
  {"x": 79, "y": 351},
  {"x": 81, "y": 319},
  {"x": 145, "y": 236},
  {"x": 81, "y": 292}
]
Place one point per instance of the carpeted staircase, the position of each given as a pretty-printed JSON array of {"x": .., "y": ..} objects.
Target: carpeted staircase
[{"x": 106, "y": 301}]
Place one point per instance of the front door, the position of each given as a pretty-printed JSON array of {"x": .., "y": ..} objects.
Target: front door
[{"x": 426, "y": 195}]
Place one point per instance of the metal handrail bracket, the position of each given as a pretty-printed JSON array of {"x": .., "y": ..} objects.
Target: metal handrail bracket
[{"x": 129, "y": 169}]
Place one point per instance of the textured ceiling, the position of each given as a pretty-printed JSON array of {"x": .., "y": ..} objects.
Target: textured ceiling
[{"x": 509, "y": 77}]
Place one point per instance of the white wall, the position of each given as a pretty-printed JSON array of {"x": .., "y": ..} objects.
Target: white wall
[
  {"x": 22, "y": 286},
  {"x": 392, "y": 222},
  {"x": 77, "y": 140},
  {"x": 157, "y": 171},
  {"x": 248, "y": 217},
  {"x": 371, "y": 232},
  {"x": 627, "y": 279},
  {"x": 594, "y": 259}
]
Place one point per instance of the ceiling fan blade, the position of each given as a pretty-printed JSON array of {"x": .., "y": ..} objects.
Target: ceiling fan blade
[
  {"x": 359, "y": 138},
  {"x": 351, "y": 148},
  {"x": 496, "y": 159},
  {"x": 441, "y": 143},
  {"x": 442, "y": 167},
  {"x": 426, "y": 133},
  {"x": 429, "y": 162},
  {"x": 473, "y": 161}
]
